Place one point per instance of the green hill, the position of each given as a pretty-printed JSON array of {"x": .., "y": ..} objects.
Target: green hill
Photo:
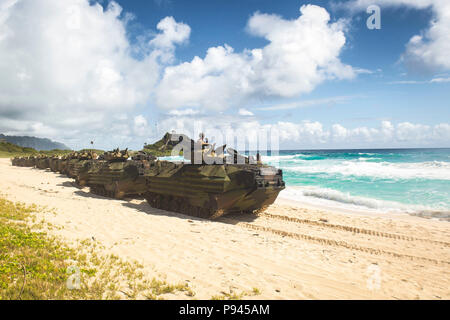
[
  {"x": 34, "y": 142},
  {"x": 9, "y": 150},
  {"x": 97, "y": 151},
  {"x": 163, "y": 147}
]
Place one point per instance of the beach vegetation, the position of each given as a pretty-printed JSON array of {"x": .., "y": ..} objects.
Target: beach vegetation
[
  {"x": 232, "y": 295},
  {"x": 162, "y": 147},
  {"x": 37, "y": 266}
]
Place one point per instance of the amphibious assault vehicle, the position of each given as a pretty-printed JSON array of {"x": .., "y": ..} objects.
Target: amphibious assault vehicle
[
  {"x": 53, "y": 163},
  {"x": 23, "y": 161},
  {"x": 76, "y": 162},
  {"x": 115, "y": 176},
  {"x": 18, "y": 161},
  {"x": 30, "y": 161},
  {"x": 42, "y": 162},
  {"x": 215, "y": 185},
  {"x": 79, "y": 169}
]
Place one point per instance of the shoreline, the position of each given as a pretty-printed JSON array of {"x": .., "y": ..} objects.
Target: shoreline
[
  {"x": 345, "y": 208},
  {"x": 362, "y": 212},
  {"x": 290, "y": 251}
]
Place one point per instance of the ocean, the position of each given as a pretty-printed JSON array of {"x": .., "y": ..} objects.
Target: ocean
[{"x": 414, "y": 181}]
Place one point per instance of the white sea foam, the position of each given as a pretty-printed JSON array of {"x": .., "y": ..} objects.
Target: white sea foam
[
  {"x": 174, "y": 159},
  {"x": 279, "y": 158},
  {"x": 333, "y": 198},
  {"x": 438, "y": 170}
]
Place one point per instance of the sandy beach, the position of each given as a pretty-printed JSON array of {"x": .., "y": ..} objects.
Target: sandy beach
[{"x": 288, "y": 252}]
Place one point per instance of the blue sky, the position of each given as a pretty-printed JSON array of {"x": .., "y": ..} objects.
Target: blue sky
[
  {"x": 372, "y": 97},
  {"x": 388, "y": 85}
]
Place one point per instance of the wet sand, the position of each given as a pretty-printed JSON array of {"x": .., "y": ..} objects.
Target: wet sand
[{"x": 288, "y": 252}]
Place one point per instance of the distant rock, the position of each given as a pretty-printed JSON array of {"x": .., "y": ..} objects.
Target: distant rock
[
  {"x": 164, "y": 146},
  {"x": 34, "y": 142}
]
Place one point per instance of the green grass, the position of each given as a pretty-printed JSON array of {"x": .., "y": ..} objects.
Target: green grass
[
  {"x": 236, "y": 296},
  {"x": 12, "y": 148},
  {"x": 154, "y": 150},
  {"x": 159, "y": 148},
  {"x": 35, "y": 265},
  {"x": 9, "y": 150},
  {"x": 97, "y": 151}
]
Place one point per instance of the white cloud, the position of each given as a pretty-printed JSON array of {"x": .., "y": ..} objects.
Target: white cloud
[
  {"x": 301, "y": 54},
  {"x": 305, "y": 132},
  {"x": 312, "y": 134},
  {"x": 432, "y": 81},
  {"x": 403, "y": 134},
  {"x": 140, "y": 126},
  {"x": 387, "y": 131},
  {"x": 407, "y": 131},
  {"x": 245, "y": 112},
  {"x": 407, "y": 82},
  {"x": 172, "y": 33},
  {"x": 440, "y": 80},
  {"x": 69, "y": 66},
  {"x": 429, "y": 50},
  {"x": 309, "y": 103},
  {"x": 442, "y": 132},
  {"x": 339, "y": 132},
  {"x": 185, "y": 112},
  {"x": 54, "y": 62},
  {"x": 69, "y": 72}
]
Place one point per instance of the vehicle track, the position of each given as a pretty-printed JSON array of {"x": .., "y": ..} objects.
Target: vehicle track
[
  {"x": 331, "y": 242},
  {"x": 351, "y": 229}
]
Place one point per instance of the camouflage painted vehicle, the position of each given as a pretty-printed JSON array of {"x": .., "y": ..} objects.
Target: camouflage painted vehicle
[
  {"x": 72, "y": 160},
  {"x": 83, "y": 167},
  {"x": 228, "y": 184},
  {"x": 62, "y": 165},
  {"x": 23, "y": 161},
  {"x": 117, "y": 177},
  {"x": 143, "y": 156},
  {"x": 43, "y": 162},
  {"x": 17, "y": 161},
  {"x": 53, "y": 163},
  {"x": 26, "y": 162},
  {"x": 77, "y": 162},
  {"x": 30, "y": 162}
]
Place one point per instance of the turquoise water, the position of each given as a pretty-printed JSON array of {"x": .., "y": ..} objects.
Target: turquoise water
[{"x": 415, "y": 181}]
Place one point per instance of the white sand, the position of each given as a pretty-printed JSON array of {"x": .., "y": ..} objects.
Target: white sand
[{"x": 289, "y": 252}]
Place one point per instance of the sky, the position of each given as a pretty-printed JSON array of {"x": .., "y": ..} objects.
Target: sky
[{"x": 311, "y": 73}]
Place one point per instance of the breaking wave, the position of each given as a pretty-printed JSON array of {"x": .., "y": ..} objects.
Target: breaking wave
[
  {"x": 333, "y": 198},
  {"x": 437, "y": 170}
]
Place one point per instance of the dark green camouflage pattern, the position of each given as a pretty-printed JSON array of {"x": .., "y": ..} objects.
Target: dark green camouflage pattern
[
  {"x": 43, "y": 162},
  {"x": 115, "y": 176},
  {"x": 210, "y": 191},
  {"x": 218, "y": 185}
]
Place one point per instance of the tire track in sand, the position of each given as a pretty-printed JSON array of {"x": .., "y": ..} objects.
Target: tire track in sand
[
  {"x": 350, "y": 229},
  {"x": 331, "y": 242}
]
